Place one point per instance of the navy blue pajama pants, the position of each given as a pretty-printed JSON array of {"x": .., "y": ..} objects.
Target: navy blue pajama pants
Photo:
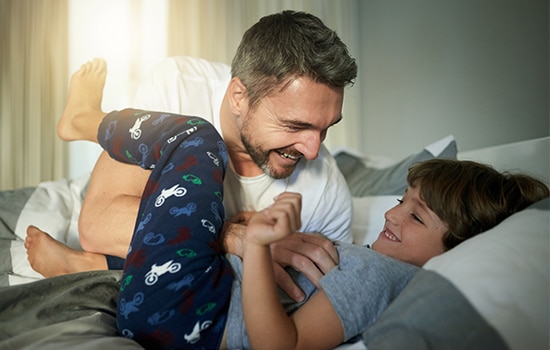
[{"x": 176, "y": 284}]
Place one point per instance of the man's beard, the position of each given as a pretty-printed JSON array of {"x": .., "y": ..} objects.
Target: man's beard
[{"x": 261, "y": 157}]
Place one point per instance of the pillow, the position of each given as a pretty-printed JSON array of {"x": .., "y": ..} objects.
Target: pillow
[
  {"x": 504, "y": 273},
  {"x": 368, "y": 217},
  {"x": 392, "y": 180}
]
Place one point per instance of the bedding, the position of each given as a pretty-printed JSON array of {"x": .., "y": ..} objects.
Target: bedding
[
  {"x": 489, "y": 292},
  {"x": 67, "y": 312},
  {"x": 11, "y": 205},
  {"x": 365, "y": 180},
  {"x": 504, "y": 273},
  {"x": 53, "y": 206}
]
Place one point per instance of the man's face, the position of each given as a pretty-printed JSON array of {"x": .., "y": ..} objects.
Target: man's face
[{"x": 289, "y": 125}]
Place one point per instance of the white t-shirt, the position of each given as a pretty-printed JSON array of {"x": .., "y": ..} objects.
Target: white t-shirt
[{"x": 191, "y": 86}]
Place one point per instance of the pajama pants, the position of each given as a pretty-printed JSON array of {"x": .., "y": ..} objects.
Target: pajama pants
[{"x": 176, "y": 285}]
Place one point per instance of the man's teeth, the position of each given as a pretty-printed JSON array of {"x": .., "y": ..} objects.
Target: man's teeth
[{"x": 288, "y": 156}]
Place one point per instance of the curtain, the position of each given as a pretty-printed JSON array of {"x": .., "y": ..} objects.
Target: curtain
[
  {"x": 212, "y": 29},
  {"x": 33, "y": 90}
]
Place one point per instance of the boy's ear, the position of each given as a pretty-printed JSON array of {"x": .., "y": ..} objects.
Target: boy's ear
[{"x": 238, "y": 97}]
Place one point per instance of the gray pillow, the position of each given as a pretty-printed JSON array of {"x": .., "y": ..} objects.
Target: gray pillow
[{"x": 365, "y": 181}]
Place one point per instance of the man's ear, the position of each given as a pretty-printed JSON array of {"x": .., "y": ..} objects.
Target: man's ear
[{"x": 238, "y": 97}]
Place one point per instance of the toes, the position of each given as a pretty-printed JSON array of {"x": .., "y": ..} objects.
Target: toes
[
  {"x": 100, "y": 65},
  {"x": 32, "y": 230}
]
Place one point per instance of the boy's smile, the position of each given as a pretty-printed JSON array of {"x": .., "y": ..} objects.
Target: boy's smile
[{"x": 413, "y": 232}]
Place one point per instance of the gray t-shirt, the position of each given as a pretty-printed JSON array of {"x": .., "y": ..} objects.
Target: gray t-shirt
[{"x": 359, "y": 288}]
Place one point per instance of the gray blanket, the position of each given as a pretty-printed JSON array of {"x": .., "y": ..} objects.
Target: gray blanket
[
  {"x": 78, "y": 311},
  {"x": 72, "y": 311},
  {"x": 11, "y": 204}
]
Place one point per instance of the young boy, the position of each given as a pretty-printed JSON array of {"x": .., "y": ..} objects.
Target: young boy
[{"x": 447, "y": 202}]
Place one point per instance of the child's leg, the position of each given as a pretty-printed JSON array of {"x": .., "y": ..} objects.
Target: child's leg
[{"x": 176, "y": 285}]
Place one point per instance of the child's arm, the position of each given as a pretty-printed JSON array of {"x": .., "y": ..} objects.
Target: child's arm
[{"x": 316, "y": 324}]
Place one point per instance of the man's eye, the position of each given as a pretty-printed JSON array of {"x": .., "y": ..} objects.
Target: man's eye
[
  {"x": 400, "y": 200},
  {"x": 295, "y": 127}
]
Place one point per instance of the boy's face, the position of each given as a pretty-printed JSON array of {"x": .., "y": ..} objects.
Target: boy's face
[{"x": 412, "y": 232}]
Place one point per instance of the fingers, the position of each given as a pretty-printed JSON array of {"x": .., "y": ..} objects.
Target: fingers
[
  {"x": 285, "y": 282},
  {"x": 279, "y": 220},
  {"x": 305, "y": 251},
  {"x": 242, "y": 217},
  {"x": 96, "y": 65},
  {"x": 322, "y": 249},
  {"x": 286, "y": 211},
  {"x": 313, "y": 255}
]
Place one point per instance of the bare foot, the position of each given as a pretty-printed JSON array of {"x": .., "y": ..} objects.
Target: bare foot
[
  {"x": 52, "y": 258},
  {"x": 83, "y": 114}
]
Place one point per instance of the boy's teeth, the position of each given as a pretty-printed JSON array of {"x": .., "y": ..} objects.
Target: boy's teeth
[{"x": 391, "y": 236}]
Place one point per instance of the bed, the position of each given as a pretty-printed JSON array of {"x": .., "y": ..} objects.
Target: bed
[{"x": 489, "y": 292}]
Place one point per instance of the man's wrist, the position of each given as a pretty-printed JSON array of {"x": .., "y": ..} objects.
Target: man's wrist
[{"x": 232, "y": 237}]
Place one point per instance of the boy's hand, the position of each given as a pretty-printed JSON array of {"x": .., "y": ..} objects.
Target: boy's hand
[
  {"x": 310, "y": 253},
  {"x": 279, "y": 220}
]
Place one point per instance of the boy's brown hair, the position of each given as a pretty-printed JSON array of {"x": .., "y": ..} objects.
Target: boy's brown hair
[{"x": 472, "y": 197}]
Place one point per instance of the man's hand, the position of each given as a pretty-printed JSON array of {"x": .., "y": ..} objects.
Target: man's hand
[
  {"x": 232, "y": 235},
  {"x": 311, "y": 254}
]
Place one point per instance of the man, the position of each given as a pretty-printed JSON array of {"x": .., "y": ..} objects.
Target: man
[{"x": 285, "y": 91}]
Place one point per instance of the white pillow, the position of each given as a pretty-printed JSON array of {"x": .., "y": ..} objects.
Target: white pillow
[
  {"x": 368, "y": 217},
  {"x": 530, "y": 156},
  {"x": 504, "y": 273}
]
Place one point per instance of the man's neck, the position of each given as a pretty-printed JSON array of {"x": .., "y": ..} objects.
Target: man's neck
[{"x": 241, "y": 161}]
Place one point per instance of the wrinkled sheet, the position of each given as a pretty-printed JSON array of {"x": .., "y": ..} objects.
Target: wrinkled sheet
[
  {"x": 71, "y": 311},
  {"x": 52, "y": 206}
]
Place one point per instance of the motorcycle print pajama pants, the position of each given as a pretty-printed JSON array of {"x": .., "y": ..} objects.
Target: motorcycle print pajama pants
[{"x": 176, "y": 285}]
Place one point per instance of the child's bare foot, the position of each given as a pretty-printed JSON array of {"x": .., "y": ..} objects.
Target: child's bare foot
[
  {"x": 83, "y": 113},
  {"x": 52, "y": 258}
]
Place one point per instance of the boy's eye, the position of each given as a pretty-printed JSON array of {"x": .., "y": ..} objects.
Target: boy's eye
[
  {"x": 414, "y": 216},
  {"x": 417, "y": 218}
]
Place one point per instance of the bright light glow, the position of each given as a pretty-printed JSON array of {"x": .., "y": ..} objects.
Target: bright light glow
[{"x": 132, "y": 36}]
